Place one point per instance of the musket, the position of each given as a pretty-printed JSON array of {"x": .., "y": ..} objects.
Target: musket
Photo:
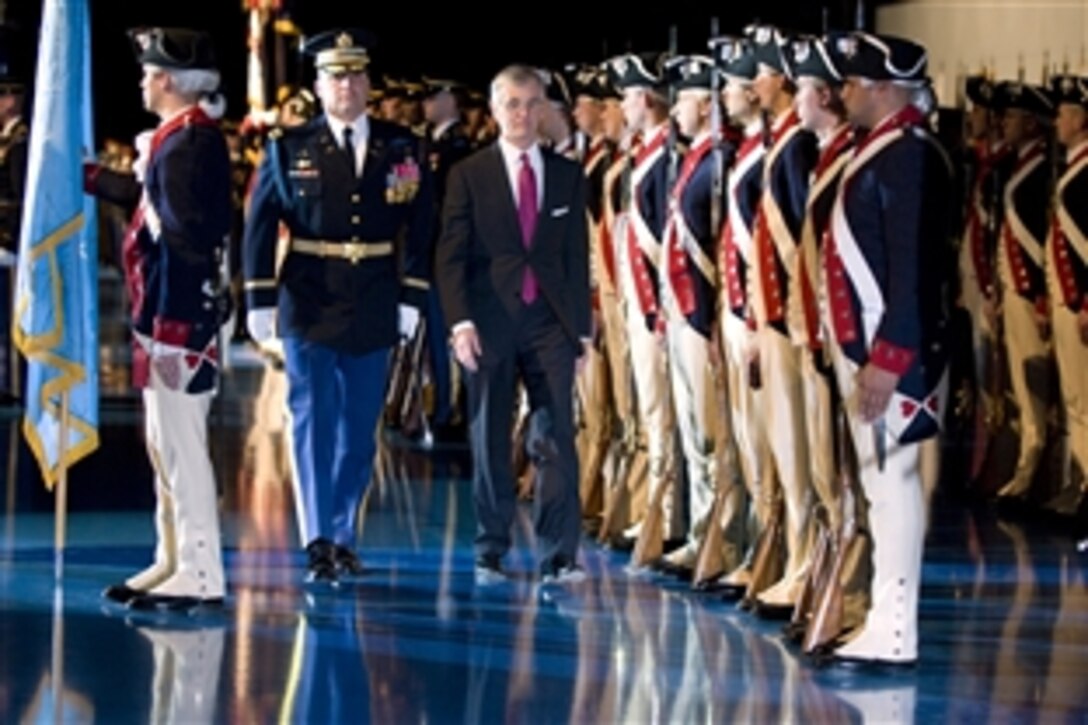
[
  {"x": 412, "y": 419},
  {"x": 396, "y": 384},
  {"x": 716, "y": 133},
  {"x": 767, "y": 563},
  {"x": 827, "y": 612},
  {"x": 650, "y": 546}
]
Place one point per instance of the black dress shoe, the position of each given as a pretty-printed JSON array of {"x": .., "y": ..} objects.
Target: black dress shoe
[
  {"x": 488, "y": 569},
  {"x": 666, "y": 567},
  {"x": 121, "y": 593},
  {"x": 321, "y": 568},
  {"x": 619, "y": 542},
  {"x": 794, "y": 632},
  {"x": 147, "y": 602},
  {"x": 773, "y": 612},
  {"x": 867, "y": 665},
  {"x": 347, "y": 562},
  {"x": 731, "y": 593}
]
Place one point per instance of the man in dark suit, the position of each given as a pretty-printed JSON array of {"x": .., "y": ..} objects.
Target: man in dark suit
[
  {"x": 348, "y": 189},
  {"x": 513, "y": 273}
]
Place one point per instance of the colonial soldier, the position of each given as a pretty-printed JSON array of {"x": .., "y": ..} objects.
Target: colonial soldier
[
  {"x": 790, "y": 158},
  {"x": 624, "y": 499},
  {"x": 1067, "y": 278},
  {"x": 172, "y": 253},
  {"x": 13, "y": 157},
  {"x": 345, "y": 186},
  {"x": 887, "y": 278},
  {"x": 448, "y": 143},
  {"x": 815, "y": 66},
  {"x": 556, "y": 125},
  {"x": 689, "y": 288},
  {"x": 736, "y": 250},
  {"x": 595, "y": 151},
  {"x": 1020, "y": 260},
  {"x": 988, "y": 160},
  {"x": 645, "y": 109}
]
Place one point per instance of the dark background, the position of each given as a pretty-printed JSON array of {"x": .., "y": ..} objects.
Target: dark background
[{"x": 465, "y": 40}]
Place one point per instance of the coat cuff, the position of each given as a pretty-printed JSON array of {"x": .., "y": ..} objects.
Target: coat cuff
[
  {"x": 891, "y": 357},
  {"x": 413, "y": 291},
  {"x": 171, "y": 332},
  {"x": 260, "y": 293},
  {"x": 90, "y": 177}
]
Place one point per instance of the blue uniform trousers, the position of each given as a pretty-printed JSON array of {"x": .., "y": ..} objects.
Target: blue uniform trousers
[{"x": 334, "y": 400}]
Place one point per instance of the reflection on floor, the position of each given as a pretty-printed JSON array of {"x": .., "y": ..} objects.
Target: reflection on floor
[{"x": 1005, "y": 613}]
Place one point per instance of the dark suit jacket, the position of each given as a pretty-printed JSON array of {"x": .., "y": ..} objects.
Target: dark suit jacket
[{"x": 481, "y": 260}]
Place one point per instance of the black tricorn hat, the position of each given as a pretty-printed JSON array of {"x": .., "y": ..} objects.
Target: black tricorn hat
[
  {"x": 1025, "y": 97},
  {"x": 981, "y": 91},
  {"x": 769, "y": 47},
  {"x": 177, "y": 48},
  {"x": 636, "y": 70},
  {"x": 880, "y": 57},
  {"x": 1069, "y": 89},
  {"x": 815, "y": 58},
  {"x": 555, "y": 87},
  {"x": 684, "y": 72},
  {"x": 733, "y": 57}
]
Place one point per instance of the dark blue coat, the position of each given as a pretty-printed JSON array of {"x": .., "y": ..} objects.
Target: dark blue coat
[{"x": 306, "y": 183}]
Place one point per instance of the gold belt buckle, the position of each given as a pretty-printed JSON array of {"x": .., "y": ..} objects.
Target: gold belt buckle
[{"x": 354, "y": 252}]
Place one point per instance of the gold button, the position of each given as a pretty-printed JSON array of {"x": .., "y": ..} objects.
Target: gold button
[
  {"x": 355, "y": 197},
  {"x": 355, "y": 219}
]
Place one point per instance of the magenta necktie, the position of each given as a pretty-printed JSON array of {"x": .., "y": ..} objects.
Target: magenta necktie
[{"x": 527, "y": 213}]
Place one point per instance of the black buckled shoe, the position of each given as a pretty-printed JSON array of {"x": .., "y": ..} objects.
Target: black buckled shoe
[
  {"x": 321, "y": 568},
  {"x": 120, "y": 593},
  {"x": 347, "y": 562},
  {"x": 147, "y": 602}
]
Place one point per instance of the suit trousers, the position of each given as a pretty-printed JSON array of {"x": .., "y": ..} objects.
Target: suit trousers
[
  {"x": 334, "y": 401},
  {"x": 543, "y": 357}
]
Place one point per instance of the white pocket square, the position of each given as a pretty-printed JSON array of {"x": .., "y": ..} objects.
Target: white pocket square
[{"x": 561, "y": 211}]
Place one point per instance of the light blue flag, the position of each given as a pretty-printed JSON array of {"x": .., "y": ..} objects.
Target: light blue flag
[{"x": 56, "y": 300}]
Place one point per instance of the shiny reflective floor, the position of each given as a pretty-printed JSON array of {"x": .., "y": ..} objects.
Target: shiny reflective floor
[{"x": 1004, "y": 612}]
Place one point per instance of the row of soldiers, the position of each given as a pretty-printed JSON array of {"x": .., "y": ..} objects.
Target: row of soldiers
[
  {"x": 773, "y": 297},
  {"x": 773, "y": 293}
]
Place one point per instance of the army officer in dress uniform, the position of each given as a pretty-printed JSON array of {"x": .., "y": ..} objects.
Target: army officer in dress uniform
[{"x": 348, "y": 188}]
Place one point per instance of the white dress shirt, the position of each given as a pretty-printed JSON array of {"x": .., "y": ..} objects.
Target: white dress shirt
[{"x": 360, "y": 135}]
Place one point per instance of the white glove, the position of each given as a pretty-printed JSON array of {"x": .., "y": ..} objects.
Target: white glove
[
  {"x": 261, "y": 324},
  {"x": 143, "y": 152},
  {"x": 408, "y": 320}
]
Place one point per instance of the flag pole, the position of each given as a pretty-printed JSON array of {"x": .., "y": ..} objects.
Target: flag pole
[{"x": 61, "y": 507}]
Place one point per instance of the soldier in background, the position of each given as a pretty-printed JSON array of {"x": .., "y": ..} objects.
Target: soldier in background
[
  {"x": 595, "y": 149},
  {"x": 736, "y": 323},
  {"x": 1067, "y": 284},
  {"x": 791, "y": 156},
  {"x": 1023, "y": 295},
  {"x": 689, "y": 287},
  {"x": 646, "y": 110},
  {"x": 13, "y": 157},
  {"x": 988, "y": 161},
  {"x": 447, "y": 143}
]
